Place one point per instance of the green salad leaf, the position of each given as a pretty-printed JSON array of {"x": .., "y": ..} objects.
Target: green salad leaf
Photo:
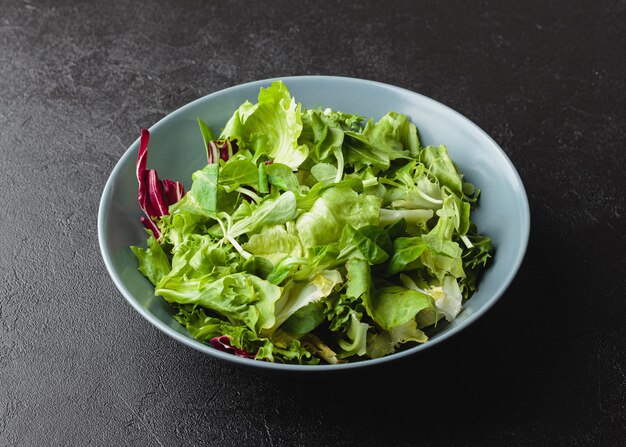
[{"x": 270, "y": 127}]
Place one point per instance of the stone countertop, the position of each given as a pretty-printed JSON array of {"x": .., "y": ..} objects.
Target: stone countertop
[{"x": 79, "y": 367}]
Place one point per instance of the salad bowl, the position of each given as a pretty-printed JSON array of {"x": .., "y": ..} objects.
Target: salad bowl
[{"x": 503, "y": 212}]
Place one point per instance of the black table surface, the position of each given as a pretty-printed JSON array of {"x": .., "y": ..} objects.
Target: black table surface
[{"x": 545, "y": 366}]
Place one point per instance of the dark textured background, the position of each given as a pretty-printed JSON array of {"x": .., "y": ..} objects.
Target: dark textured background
[{"x": 78, "y": 366}]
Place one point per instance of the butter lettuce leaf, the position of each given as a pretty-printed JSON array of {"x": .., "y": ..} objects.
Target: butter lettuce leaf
[
  {"x": 242, "y": 298},
  {"x": 270, "y": 127},
  {"x": 394, "y": 305},
  {"x": 274, "y": 243},
  {"x": 153, "y": 262},
  {"x": 387, "y": 342},
  {"x": 336, "y": 208}
]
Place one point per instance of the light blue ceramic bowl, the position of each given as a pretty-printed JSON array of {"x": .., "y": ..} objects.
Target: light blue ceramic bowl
[{"x": 175, "y": 152}]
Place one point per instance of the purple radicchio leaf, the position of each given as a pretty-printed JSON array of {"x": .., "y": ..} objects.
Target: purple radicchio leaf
[
  {"x": 223, "y": 344},
  {"x": 155, "y": 196},
  {"x": 224, "y": 149},
  {"x": 174, "y": 191},
  {"x": 150, "y": 225}
]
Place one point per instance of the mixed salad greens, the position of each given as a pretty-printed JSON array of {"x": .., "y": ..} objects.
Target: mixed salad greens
[{"x": 312, "y": 235}]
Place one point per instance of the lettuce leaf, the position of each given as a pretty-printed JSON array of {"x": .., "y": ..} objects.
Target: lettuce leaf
[
  {"x": 153, "y": 262},
  {"x": 243, "y": 341},
  {"x": 298, "y": 294},
  {"x": 242, "y": 298},
  {"x": 337, "y": 207},
  {"x": 394, "y": 305},
  {"x": 271, "y": 212},
  {"x": 438, "y": 161},
  {"x": 387, "y": 342},
  {"x": 305, "y": 319},
  {"x": 274, "y": 243},
  {"x": 270, "y": 127}
]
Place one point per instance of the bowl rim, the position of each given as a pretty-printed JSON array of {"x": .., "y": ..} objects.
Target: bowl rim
[{"x": 207, "y": 349}]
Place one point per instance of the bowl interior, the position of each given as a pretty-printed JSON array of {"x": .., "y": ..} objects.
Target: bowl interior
[{"x": 176, "y": 150}]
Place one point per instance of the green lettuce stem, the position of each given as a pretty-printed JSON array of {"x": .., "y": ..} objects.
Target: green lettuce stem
[
  {"x": 425, "y": 196},
  {"x": 233, "y": 242},
  {"x": 370, "y": 182},
  {"x": 340, "y": 165},
  {"x": 249, "y": 193}
]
